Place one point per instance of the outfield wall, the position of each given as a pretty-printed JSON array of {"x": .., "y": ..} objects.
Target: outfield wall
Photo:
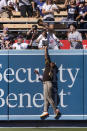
[{"x": 21, "y": 93}]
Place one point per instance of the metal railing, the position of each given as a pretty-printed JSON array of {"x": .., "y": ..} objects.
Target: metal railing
[
  {"x": 35, "y": 22},
  {"x": 56, "y": 30}
]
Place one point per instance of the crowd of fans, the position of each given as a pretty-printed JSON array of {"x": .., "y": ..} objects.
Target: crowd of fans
[
  {"x": 45, "y": 8},
  {"x": 36, "y": 40},
  {"x": 76, "y": 17}
]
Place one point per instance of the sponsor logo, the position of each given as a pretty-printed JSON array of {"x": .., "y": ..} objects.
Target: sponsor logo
[{"x": 9, "y": 75}]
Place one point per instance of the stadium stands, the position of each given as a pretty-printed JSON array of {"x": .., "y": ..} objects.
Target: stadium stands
[
  {"x": 61, "y": 14},
  {"x": 18, "y": 23}
]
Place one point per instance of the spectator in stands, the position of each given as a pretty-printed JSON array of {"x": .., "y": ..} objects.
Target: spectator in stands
[
  {"x": 34, "y": 5},
  {"x": 53, "y": 41},
  {"x": 40, "y": 22},
  {"x": 45, "y": 25},
  {"x": 40, "y": 4},
  {"x": 37, "y": 7},
  {"x": 78, "y": 1},
  {"x": 7, "y": 43},
  {"x": 6, "y": 8},
  {"x": 48, "y": 38},
  {"x": 82, "y": 17},
  {"x": 25, "y": 7},
  {"x": 71, "y": 10},
  {"x": 42, "y": 39},
  {"x": 32, "y": 35},
  {"x": 4, "y": 33},
  {"x": 20, "y": 45},
  {"x": 48, "y": 10},
  {"x": 13, "y": 4},
  {"x": 75, "y": 38},
  {"x": 3, "y": 11}
]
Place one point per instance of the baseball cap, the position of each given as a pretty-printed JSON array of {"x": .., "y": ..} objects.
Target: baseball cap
[{"x": 20, "y": 36}]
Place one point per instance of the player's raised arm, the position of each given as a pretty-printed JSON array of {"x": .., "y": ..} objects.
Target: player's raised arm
[{"x": 47, "y": 57}]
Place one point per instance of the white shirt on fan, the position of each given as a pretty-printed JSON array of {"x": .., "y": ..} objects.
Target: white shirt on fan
[
  {"x": 49, "y": 8},
  {"x": 41, "y": 38},
  {"x": 2, "y": 4},
  {"x": 53, "y": 41},
  {"x": 20, "y": 46},
  {"x": 13, "y": 3},
  {"x": 74, "y": 38}
]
